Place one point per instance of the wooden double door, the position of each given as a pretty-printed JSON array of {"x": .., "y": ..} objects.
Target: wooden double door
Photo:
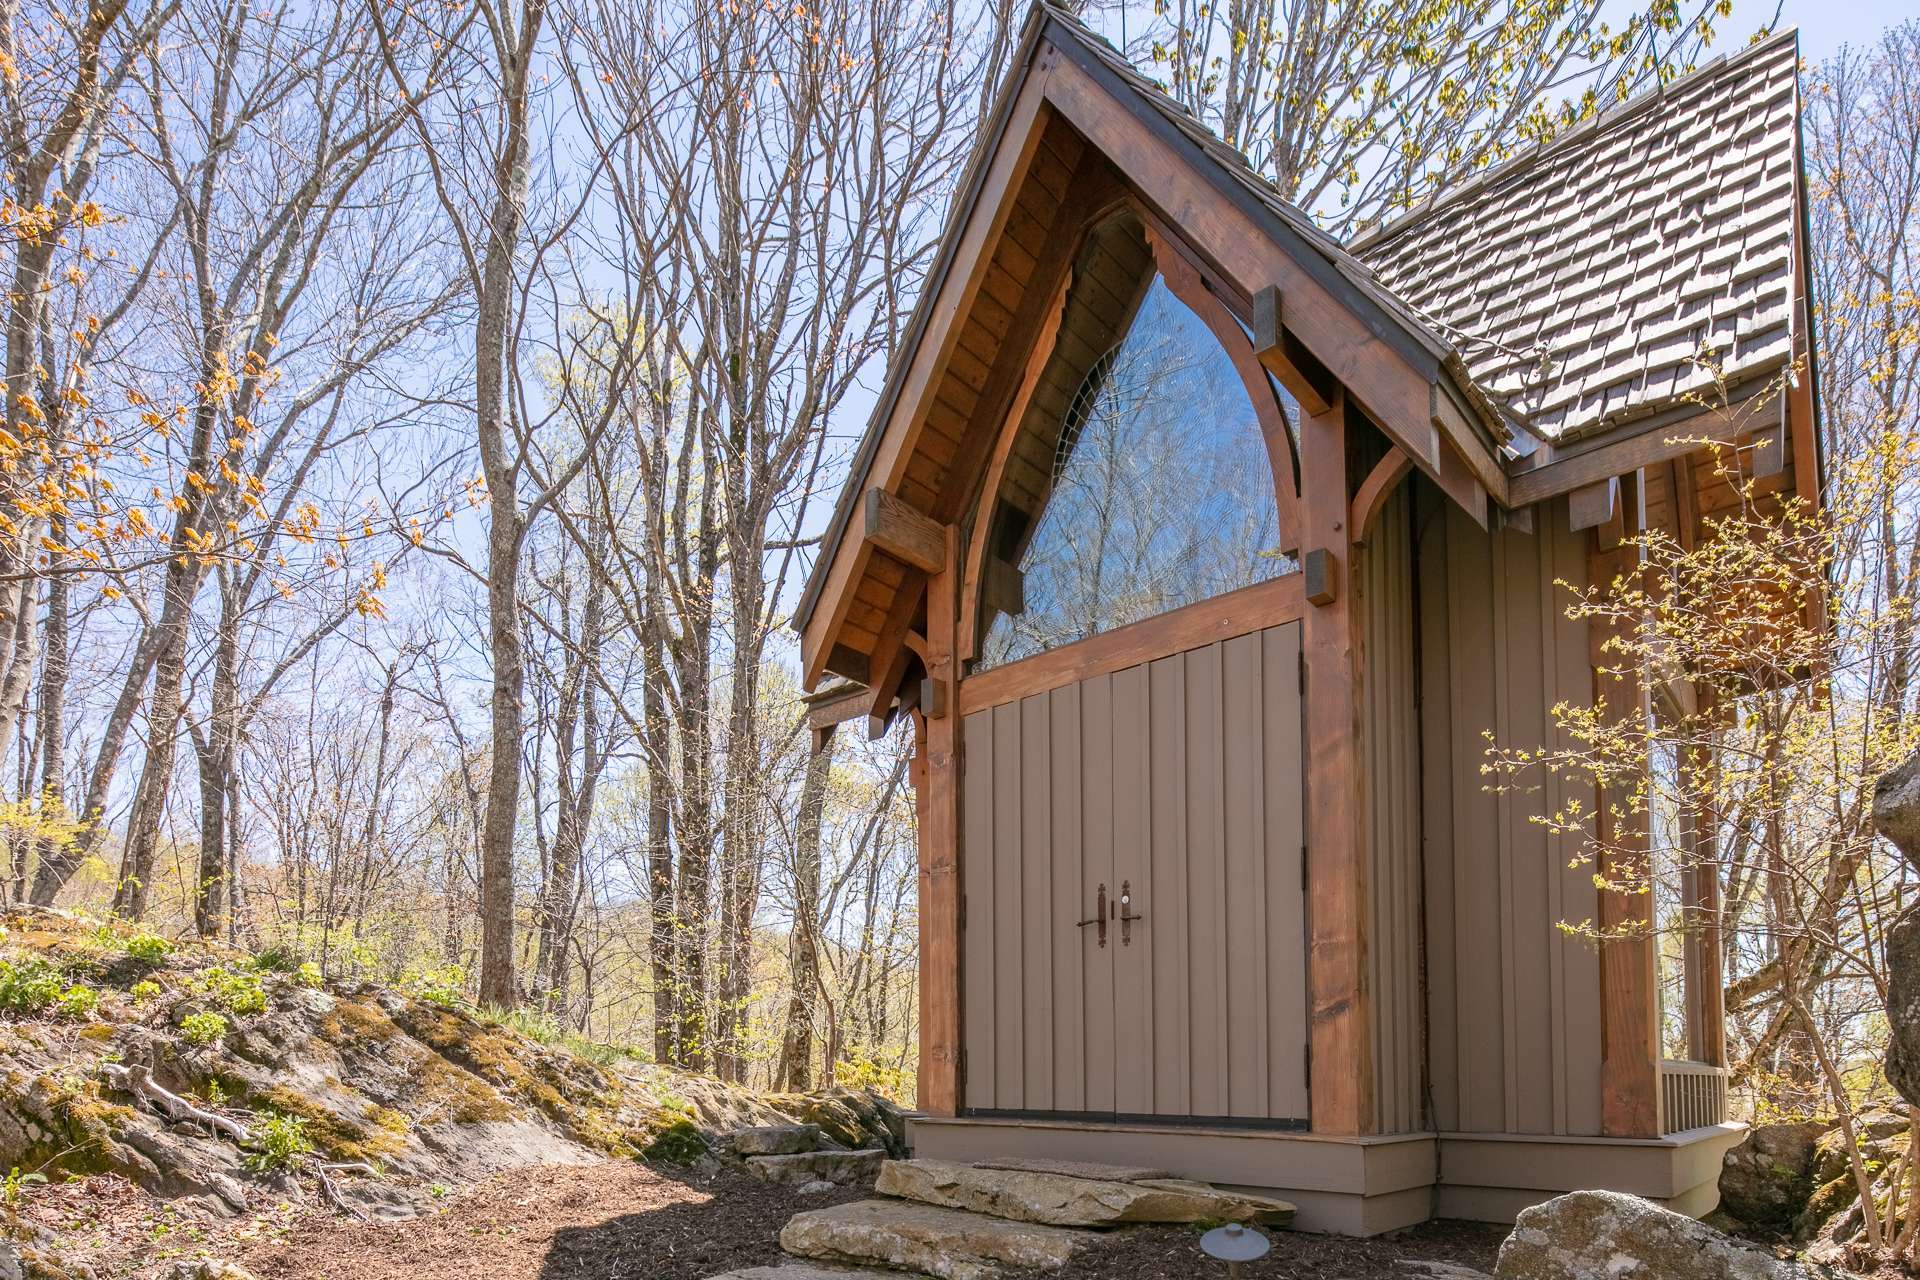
[{"x": 1169, "y": 792}]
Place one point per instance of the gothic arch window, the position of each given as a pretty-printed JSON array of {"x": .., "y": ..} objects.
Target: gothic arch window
[{"x": 1150, "y": 466}]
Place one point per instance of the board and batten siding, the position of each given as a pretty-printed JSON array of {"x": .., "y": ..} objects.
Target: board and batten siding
[
  {"x": 1181, "y": 776},
  {"x": 1390, "y": 726},
  {"x": 1514, "y": 1021}
]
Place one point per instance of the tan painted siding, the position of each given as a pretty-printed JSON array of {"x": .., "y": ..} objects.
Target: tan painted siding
[
  {"x": 1180, "y": 778},
  {"x": 1513, "y": 1004},
  {"x": 1391, "y": 734}
]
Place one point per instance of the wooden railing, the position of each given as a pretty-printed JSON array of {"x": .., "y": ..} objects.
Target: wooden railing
[{"x": 1693, "y": 1095}]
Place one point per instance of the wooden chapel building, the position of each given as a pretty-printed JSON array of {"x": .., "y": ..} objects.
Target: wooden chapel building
[{"x": 1202, "y": 551}]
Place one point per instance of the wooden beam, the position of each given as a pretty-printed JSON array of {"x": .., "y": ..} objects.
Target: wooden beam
[
  {"x": 1655, "y": 442},
  {"x": 891, "y": 655},
  {"x": 1629, "y": 1027},
  {"x": 1593, "y": 505},
  {"x": 940, "y": 1083},
  {"x": 1375, "y": 490},
  {"x": 893, "y": 526},
  {"x": 1338, "y": 983},
  {"x": 1238, "y": 613},
  {"x": 850, "y": 663},
  {"x": 1282, "y": 355},
  {"x": 1467, "y": 438}
]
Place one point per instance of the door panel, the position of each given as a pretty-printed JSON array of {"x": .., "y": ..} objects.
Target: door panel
[{"x": 1179, "y": 782}]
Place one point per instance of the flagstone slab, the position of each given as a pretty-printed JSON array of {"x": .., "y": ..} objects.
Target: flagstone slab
[
  {"x": 947, "y": 1243},
  {"x": 806, "y": 1271},
  {"x": 1054, "y": 1199},
  {"x": 1076, "y": 1169}
]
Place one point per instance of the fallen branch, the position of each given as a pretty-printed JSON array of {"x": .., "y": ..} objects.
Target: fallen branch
[
  {"x": 139, "y": 1082},
  {"x": 339, "y": 1201}
]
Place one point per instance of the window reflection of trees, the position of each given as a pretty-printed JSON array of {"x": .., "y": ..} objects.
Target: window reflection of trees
[{"x": 1162, "y": 494}]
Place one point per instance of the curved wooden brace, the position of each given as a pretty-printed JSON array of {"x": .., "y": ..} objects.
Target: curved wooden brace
[
  {"x": 1187, "y": 284},
  {"x": 997, "y": 465},
  {"x": 1375, "y": 490},
  {"x": 1184, "y": 278}
]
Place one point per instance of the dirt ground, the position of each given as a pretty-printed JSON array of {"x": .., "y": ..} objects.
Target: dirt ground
[{"x": 623, "y": 1221}]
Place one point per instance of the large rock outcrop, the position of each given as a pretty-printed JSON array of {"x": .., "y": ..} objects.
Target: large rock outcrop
[
  {"x": 167, "y": 1064},
  {"x": 1592, "y": 1234},
  {"x": 1896, "y": 815},
  {"x": 1766, "y": 1181}
]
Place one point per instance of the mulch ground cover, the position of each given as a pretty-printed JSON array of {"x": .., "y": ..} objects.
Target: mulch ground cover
[{"x": 626, "y": 1221}]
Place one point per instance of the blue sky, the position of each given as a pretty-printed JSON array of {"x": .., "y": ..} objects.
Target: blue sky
[{"x": 1825, "y": 25}]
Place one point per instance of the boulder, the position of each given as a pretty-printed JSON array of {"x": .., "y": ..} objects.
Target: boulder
[
  {"x": 1064, "y": 1201},
  {"x": 775, "y": 1139},
  {"x": 832, "y": 1116},
  {"x": 938, "y": 1242},
  {"x": 1621, "y": 1237},
  {"x": 1766, "y": 1180},
  {"x": 1896, "y": 815},
  {"x": 797, "y": 1169}
]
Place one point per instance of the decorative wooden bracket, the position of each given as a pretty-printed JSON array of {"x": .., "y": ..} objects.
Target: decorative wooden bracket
[
  {"x": 1374, "y": 491},
  {"x": 903, "y": 533},
  {"x": 1591, "y": 506},
  {"x": 1283, "y": 356},
  {"x": 1317, "y": 568}
]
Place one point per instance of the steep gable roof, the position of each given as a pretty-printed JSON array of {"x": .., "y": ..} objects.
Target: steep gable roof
[
  {"x": 1581, "y": 281},
  {"x": 1562, "y": 293}
]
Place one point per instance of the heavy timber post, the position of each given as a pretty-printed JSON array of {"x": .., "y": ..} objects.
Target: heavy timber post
[
  {"x": 1341, "y": 1092},
  {"x": 1629, "y": 1044},
  {"x": 937, "y": 777}
]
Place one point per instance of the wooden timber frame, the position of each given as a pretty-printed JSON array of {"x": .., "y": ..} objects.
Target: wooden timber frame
[{"x": 1386, "y": 427}]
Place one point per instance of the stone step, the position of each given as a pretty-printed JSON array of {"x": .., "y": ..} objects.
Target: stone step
[
  {"x": 946, "y": 1243},
  {"x": 843, "y": 1168},
  {"x": 1076, "y": 1169},
  {"x": 1055, "y": 1199},
  {"x": 774, "y": 1139},
  {"x": 806, "y": 1271}
]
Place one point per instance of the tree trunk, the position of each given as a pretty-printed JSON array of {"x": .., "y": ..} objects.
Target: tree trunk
[
  {"x": 51, "y": 728},
  {"x": 660, "y": 905},
  {"x": 156, "y": 775},
  {"x": 507, "y": 530},
  {"x": 803, "y": 944},
  {"x": 693, "y": 895},
  {"x": 498, "y": 989},
  {"x": 216, "y": 767}
]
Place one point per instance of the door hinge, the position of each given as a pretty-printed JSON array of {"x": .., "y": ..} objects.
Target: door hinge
[
  {"x": 1302, "y": 657},
  {"x": 1306, "y": 1054},
  {"x": 1303, "y": 866},
  {"x": 963, "y": 913}
]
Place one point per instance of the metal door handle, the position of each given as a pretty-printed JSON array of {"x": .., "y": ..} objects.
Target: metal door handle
[
  {"x": 1099, "y": 917},
  {"x": 1127, "y": 913}
]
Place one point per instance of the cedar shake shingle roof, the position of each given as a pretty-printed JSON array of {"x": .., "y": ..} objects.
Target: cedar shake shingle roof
[{"x": 1580, "y": 281}]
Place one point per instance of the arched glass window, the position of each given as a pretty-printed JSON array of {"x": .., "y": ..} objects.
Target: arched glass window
[{"x": 1153, "y": 481}]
